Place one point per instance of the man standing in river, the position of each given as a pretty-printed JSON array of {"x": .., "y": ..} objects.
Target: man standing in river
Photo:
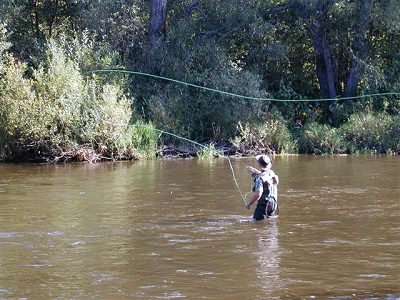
[{"x": 265, "y": 189}]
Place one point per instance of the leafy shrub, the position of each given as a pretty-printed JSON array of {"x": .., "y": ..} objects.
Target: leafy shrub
[
  {"x": 105, "y": 117},
  {"x": 272, "y": 136},
  {"x": 392, "y": 138},
  {"x": 19, "y": 108},
  {"x": 208, "y": 152},
  {"x": 59, "y": 109},
  {"x": 140, "y": 140},
  {"x": 318, "y": 138},
  {"x": 60, "y": 90},
  {"x": 371, "y": 133}
]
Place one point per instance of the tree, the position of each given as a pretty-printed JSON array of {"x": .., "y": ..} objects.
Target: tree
[
  {"x": 34, "y": 21},
  {"x": 358, "y": 47},
  {"x": 4, "y": 45},
  {"x": 318, "y": 17},
  {"x": 157, "y": 30},
  {"x": 122, "y": 24},
  {"x": 197, "y": 50}
]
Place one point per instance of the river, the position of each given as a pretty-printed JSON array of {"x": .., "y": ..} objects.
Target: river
[{"x": 177, "y": 229}]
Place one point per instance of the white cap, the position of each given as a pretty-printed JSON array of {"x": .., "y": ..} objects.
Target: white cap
[{"x": 264, "y": 158}]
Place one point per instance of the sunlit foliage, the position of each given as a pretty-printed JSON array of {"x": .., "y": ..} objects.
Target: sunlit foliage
[{"x": 297, "y": 49}]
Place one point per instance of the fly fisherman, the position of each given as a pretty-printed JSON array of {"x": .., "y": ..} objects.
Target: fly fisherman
[{"x": 265, "y": 189}]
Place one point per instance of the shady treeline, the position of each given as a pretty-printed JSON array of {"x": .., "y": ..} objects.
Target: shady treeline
[{"x": 53, "y": 108}]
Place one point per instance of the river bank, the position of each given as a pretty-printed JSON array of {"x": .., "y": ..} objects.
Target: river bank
[
  {"x": 209, "y": 151},
  {"x": 370, "y": 133}
]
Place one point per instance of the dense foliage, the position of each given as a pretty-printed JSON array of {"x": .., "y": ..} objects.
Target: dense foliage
[
  {"x": 52, "y": 107},
  {"x": 56, "y": 113}
]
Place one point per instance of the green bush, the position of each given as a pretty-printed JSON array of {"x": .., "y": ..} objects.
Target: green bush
[
  {"x": 192, "y": 112},
  {"x": 59, "y": 109},
  {"x": 19, "y": 108},
  {"x": 208, "y": 152},
  {"x": 371, "y": 133},
  {"x": 272, "y": 136},
  {"x": 105, "y": 116},
  {"x": 315, "y": 138},
  {"x": 392, "y": 139},
  {"x": 140, "y": 140},
  {"x": 60, "y": 90}
]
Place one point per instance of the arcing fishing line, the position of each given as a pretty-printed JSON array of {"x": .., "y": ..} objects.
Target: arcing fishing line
[
  {"x": 237, "y": 95},
  {"x": 198, "y": 144},
  {"x": 234, "y": 178},
  {"x": 179, "y": 137},
  {"x": 233, "y": 95}
]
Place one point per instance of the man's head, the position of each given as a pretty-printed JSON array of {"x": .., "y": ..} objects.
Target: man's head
[{"x": 264, "y": 161}]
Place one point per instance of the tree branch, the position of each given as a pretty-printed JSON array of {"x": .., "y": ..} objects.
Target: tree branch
[
  {"x": 299, "y": 8},
  {"x": 192, "y": 7},
  {"x": 284, "y": 6},
  {"x": 212, "y": 32}
]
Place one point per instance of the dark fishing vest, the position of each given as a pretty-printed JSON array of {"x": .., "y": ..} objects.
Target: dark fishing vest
[
  {"x": 265, "y": 193},
  {"x": 267, "y": 202}
]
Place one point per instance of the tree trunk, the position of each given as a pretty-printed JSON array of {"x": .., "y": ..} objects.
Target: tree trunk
[
  {"x": 317, "y": 19},
  {"x": 157, "y": 30},
  {"x": 358, "y": 47},
  {"x": 324, "y": 65},
  {"x": 324, "y": 62}
]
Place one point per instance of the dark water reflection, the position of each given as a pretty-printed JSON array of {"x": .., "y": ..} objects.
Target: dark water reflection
[{"x": 178, "y": 229}]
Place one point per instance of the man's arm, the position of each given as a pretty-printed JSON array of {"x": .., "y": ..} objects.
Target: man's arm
[
  {"x": 256, "y": 196},
  {"x": 253, "y": 171}
]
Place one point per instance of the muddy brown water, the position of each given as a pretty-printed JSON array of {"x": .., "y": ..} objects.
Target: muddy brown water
[{"x": 178, "y": 230}]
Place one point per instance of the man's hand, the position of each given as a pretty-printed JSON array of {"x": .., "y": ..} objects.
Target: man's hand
[
  {"x": 252, "y": 170},
  {"x": 247, "y": 205}
]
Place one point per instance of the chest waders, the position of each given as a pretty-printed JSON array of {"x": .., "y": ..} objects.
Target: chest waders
[{"x": 267, "y": 205}]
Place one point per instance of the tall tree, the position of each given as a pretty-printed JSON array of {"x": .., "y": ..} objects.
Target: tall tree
[
  {"x": 157, "y": 30},
  {"x": 122, "y": 24},
  {"x": 316, "y": 17},
  {"x": 358, "y": 47},
  {"x": 319, "y": 25},
  {"x": 34, "y": 21}
]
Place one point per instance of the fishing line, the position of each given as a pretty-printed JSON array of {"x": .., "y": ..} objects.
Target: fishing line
[
  {"x": 234, "y": 178},
  {"x": 233, "y": 95},
  {"x": 205, "y": 147},
  {"x": 179, "y": 137},
  {"x": 238, "y": 95}
]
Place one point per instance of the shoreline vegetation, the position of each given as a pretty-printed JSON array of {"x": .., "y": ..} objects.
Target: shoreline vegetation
[
  {"x": 333, "y": 65},
  {"x": 59, "y": 114},
  {"x": 363, "y": 134}
]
